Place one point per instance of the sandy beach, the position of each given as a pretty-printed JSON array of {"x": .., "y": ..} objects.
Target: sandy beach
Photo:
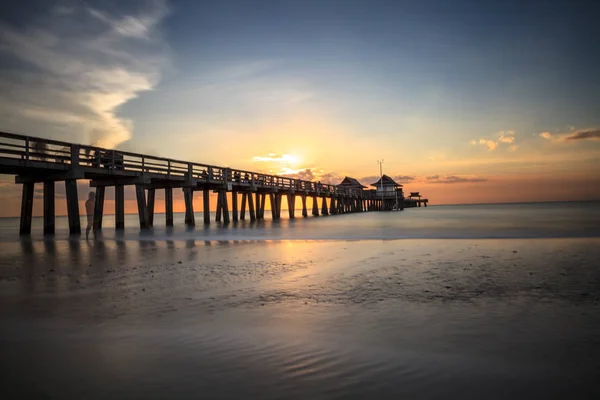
[{"x": 493, "y": 318}]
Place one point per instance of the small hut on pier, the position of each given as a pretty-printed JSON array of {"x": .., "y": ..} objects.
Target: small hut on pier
[
  {"x": 389, "y": 187},
  {"x": 351, "y": 183},
  {"x": 390, "y": 191}
]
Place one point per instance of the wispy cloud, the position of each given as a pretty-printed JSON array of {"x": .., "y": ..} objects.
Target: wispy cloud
[
  {"x": 76, "y": 66},
  {"x": 453, "y": 179},
  {"x": 591, "y": 134},
  {"x": 502, "y": 137},
  {"x": 506, "y": 137},
  {"x": 546, "y": 135},
  {"x": 585, "y": 134},
  {"x": 315, "y": 174},
  {"x": 491, "y": 145},
  {"x": 277, "y": 158}
]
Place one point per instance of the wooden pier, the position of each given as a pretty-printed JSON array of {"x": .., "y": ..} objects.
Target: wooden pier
[{"x": 34, "y": 160}]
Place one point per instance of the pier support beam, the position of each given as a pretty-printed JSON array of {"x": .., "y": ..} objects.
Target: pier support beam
[
  {"x": 49, "y": 208},
  {"x": 219, "y": 210},
  {"x": 206, "y": 205},
  {"x": 315, "y": 211},
  {"x": 278, "y": 200},
  {"x": 332, "y": 209},
  {"x": 273, "y": 202},
  {"x": 251, "y": 208},
  {"x": 291, "y": 199},
  {"x": 169, "y": 206},
  {"x": 304, "y": 211},
  {"x": 263, "y": 200},
  {"x": 243, "y": 208},
  {"x": 142, "y": 208},
  {"x": 324, "y": 209},
  {"x": 234, "y": 205},
  {"x": 73, "y": 207},
  {"x": 119, "y": 207},
  {"x": 224, "y": 206},
  {"x": 188, "y": 197},
  {"x": 99, "y": 207},
  {"x": 151, "y": 199},
  {"x": 258, "y": 216},
  {"x": 26, "y": 208}
]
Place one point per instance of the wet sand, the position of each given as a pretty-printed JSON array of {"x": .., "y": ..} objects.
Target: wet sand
[{"x": 299, "y": 319}]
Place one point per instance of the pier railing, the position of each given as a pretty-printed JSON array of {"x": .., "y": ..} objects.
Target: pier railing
[{"x": 29, "y": 151}]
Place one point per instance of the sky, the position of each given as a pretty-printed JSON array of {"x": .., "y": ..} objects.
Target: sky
[{"x": 465, "y": 101}]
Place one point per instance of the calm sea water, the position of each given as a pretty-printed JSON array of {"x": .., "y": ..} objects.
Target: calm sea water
[
  {"x": 484, "y": 301},
  {"x": 526, "y": 220}
]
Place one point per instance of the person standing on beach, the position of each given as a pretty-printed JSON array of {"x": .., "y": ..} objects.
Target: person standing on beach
[{"x": 89, "y": 210}]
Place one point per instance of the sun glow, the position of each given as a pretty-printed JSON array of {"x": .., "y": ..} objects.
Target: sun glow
[{"x": 284, "y": 159}]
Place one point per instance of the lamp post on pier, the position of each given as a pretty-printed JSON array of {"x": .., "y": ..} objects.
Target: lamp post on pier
[{"x": 381, "y": 180}]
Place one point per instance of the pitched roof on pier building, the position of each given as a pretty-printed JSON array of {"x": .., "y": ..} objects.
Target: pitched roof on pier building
[
  {"x": 348, "y": 182},
  {"x": 387, "y": 181}
]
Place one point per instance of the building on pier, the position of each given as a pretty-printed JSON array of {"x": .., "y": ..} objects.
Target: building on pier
[
  {"x": 415, "y": 200},
  {"x": 352, "y": 185},
  {"x": 390, "y": 192}
]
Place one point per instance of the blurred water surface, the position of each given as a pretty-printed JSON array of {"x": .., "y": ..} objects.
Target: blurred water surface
[{"x": 495, "y": 301}]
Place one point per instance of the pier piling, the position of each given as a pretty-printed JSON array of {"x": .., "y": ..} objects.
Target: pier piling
[
  {"x": 243, "y": 208},
  {"x": 99, "y": 207},
  {"x": 142, "y": 207},
  {"x": 304, "y": 210},
  {"x": 73, "y": 207},
  {"x": 169, "y": 206},
  {"x": 324, "y": 209},
  {"x": 188, "y": 198},
  {"x": 234, "y": 205},
  {"x": 251, "y": 207},
  {"x": 26, "y": 208},
  {"x": 49, "y": 208},
  {"x": 206, "y": 206},
  {"x": 119, "y": 207},
  {"x": 151, "y": 199}
]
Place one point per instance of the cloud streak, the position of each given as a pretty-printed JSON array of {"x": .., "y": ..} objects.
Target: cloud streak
[
  {"x": 450, "y": 179},
  {"x": 592, "y": 134},
  {"x": 74, "y": 68},
  {"x": 277, "y": 158},
  {"x": 315, "y": 175},
  {"x": 502, "y": 137},
  {"x": 585, "y": 134}
]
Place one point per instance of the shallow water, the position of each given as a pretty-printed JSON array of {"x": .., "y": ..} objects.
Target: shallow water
[
  {"x": 171, "y": 314},
  {"x": 525, "y": 220}
]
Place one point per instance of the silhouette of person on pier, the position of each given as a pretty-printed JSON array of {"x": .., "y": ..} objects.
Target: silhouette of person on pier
[{"x": 89, "y": 210}]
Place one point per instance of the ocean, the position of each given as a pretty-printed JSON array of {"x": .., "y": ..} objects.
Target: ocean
[{"x": 471, "y": 301}]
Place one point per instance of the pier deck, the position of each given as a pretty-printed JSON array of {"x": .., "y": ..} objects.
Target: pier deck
[{"x": 35, "y": 160}]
